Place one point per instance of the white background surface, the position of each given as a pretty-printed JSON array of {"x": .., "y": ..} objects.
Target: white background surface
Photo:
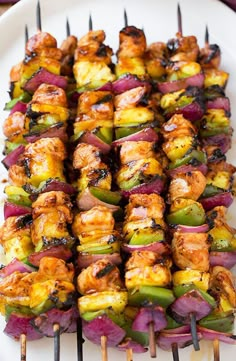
[{"x": 159, "y": 20}]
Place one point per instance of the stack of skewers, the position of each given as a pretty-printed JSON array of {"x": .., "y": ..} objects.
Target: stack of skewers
[{"x": 121, "y": 169}]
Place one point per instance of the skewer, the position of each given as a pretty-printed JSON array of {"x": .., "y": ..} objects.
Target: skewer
[
  {"x": 152, "y": 341},
  {"x": 129, "y": 354},
  {"x": 38, "y": 17},
  {"x": 90, "y": 23},
  {"x": 175, "y": 352},
  {"x": 125, "y": 18},
  {"x": 56, "y": 330},
  {"x": 216, "y": 348},
  {"x": 26, "y": 34},
  {"x": 179, "y": 16},
  {"x": 80, "y": 340},
  {"x": 104, "y": 348},
  {"x": 67, "y": 28},
  {"x": 194, "y": 332},
  {"x": 23, "y": 347},
  {"x": 206, "y": 36}
]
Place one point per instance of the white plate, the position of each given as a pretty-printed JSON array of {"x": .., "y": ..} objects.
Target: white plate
[{"x": 159, "y": 20}]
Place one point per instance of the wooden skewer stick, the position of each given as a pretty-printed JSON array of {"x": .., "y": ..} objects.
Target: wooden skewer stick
[
  {"x": 104, "y": 348},
  {"x": 193, "y": 326},
  {"x": 22, "y": 347},
  {"x": 179, "y": 16},
  {"x": 152, "y": 340},
  {"x": 216, "y": 349},
  {"x": 56, "y": 330},
  {"x": 129, "y": 354},
  {"x": 125, "y": 18},
  {"x": 175, "y": 352},
  {"x": 38, "y": 17},
  {"x": 90, "y": 23}
]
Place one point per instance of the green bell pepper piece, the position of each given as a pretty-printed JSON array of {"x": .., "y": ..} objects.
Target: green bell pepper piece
[
  {"x": 192, "y": 157},
  {"x": 192, "y": 215},
  {"x": 24, "y": 97},
  {"x": 151, "y": 294},
  {"x": 222, "y": 322},
  {"x": 105, "y": 195},
  {"x": 147, "y": 236}
]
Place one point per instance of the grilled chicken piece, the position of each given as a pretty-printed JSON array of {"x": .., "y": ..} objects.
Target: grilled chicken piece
[
  {"x": 15, "y": 237},
  {"x": 97, "y": 105},
  {"x": 132, "y": 43},
  {"x": 222, "y": 282},
  {"x": 15, "y": 72},
  {"x": 51, "y": 215},
  {"x": 187, "y": 185},
  {"x": 147, "y": 258},
  {"x": 183, "y": 48},
  {"x": 191, "y": 250},
  {"x": 132, "y": 151},
  {"x": 157, "y": 275},
  {"x": 40, "y": 161},
  {"x": 14, "y": 125},
  {"x": 93, "y": 172},
  {"x": 210, "y": 56},
  {"x": 143, "y": 206},
  {"x": 130, "y": 98},
  {"x": 39, "y": 42},
  {"x": 91, "y": 47},
  {"x": 98, "y": 277},
  {"x": 214, "y": 154},
  {"x": 156, "y": 59},
  {"x": 51, "y": 95},
  {"x": 54, "y": 268},
  {"x": 98, "y": 218}
]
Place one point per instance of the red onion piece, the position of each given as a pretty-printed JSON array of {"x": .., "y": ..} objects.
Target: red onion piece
[
  {"x": 92, "y": 139},
  {"x": 127, "y": 82},
  {"x": 103, "y": 326},
  {"x": 165, "y": 340},
  {"x": 146, "y": 134},
  {"x": 86, "y": 201},
  {"x": 192, "y": 112},
  {"x": 84, "y": 260},
  {"x": 44, "y": 76},
  {"x": 19, "y": 107},
  {"x": 223, "y": 199},
  {"x": 21, "y": 324},
  {"x": 160, "y": 247},
  {"x": 146, "y": 315},
  {"x": 127, "y": 344},
  {"x": 155, "y": 186},
  {"x": 178, "y": 330},
  {"x": 57, "y": 185},
  {"x": 193, "y": 229},
  {"x": 12, "y": 209},
  {"x": 60, "y": 251},
  {"x": 66, "y": 319},
  {"x": 55, "y": 131},
  {"x": 175, "y": 85},
  {"x": 106, "y": 87},
  {"x": 12, "y": 157},
  {"x": 190, "y": 302},
  {"x": 224, "y": 259},
  {"x": 13, "y": 266},
  {"x": 223, "y": 141},
  {"x": 219, "y": 103},
  {"x": 212, "y": 335},
  {"x": 187, "y": 168}
]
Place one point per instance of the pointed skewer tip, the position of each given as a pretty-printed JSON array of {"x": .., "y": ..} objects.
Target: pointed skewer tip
[
  {"x": 179, "y": 16},
  {"x": 125, "y": 18},
  {"x": 90, "y": 23},
  {"x": 67, "y": 28},
  {"x": 206, "y": 36},
  {"x": 26, "y": 34},
  {"x": 38, "y": 17}
]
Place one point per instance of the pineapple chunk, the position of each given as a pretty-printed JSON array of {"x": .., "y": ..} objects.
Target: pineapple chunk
[
  {"x": 177, "y": 147},
  {"x": 220, "y": 179},
  {"x": 131, "y": 66},
  {"x": 61, "y": 112},
  {"x": 19, "y": 247},
  {"x": 103, "y": 300},
  {"x": 133, "y": 117},
  {"x": 91, "y": 75},
  {"x": 182, "y": 69},
  {"x": 215, "y": 77},
  {"x": 170, "y": 99},
  {"x": 199, "y": 279}
]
